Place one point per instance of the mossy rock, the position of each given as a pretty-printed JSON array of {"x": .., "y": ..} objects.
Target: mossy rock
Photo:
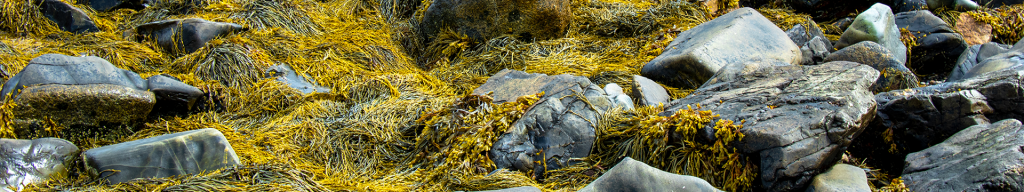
[
  {"x": 482, "y": 20},
  {"x": 89, "y": 105}
]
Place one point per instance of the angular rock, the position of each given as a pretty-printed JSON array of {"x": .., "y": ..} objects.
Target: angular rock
[
  {"x": 974, "y": 32},
  {"x": 508, "y": 85},
  {"x": 938, "y": 45},
  {"x": 798, "y": 119},
  {"x": 485, "y": 19},
  {"x": 815, "y": 51},
  {"x": 999, "y": 3},
  {"x": 979, "y": 158},
  {"x": 111, "y": 5},
  {"x": 972, "y": 56},
  {"x": 285, "y": 74},
  {"x": 909, "y": 5},
  {"x": 172, "y": 96},
  {"x": 875, "y": 24},
  {"x": 181, "y": 153},
  {"x": 959, "y": 5},
  {"x": 648, "y": 92},
  {"x": 68, "y": 18},
  {"x": 33, "y": 161},
  {"x": 803, "y": 33},
  {"x": 633, "y": 175},
  {"x": 741, "y": 35},
  {"x": 183, "y": 36},
  {"x": 893, "y": 76},
  {"x": 841, "y": 178}
]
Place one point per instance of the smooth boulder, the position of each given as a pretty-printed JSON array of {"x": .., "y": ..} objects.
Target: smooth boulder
[
  {"x": 894, "y": 75},
  {"x": 482, "y": 20},
  {"x": 938, "y": 45},
  {"x": 287, "y": 75},
  {"x": 112, "y": 5},
  {"x": 980, "y": 158},
  {"x": 797, "y": 119},
  {"x": 615, "y": 93},
  {"x": 841, "y": 178},
  {"x": 33, "y": 161},
  {"x": 633, "y": 175},
  {"x": 181, "y": 153},
  {"x": 1011, "y": 58},
  {"x": 959, "y": 5},
  {"x": 183, "y": 36},
  {"x": 971, "y": 56},
  {"x": 739, "y": 36},
  {"x": 172, "y": 96},
  {"x": 649, "y": 93},
  {"x": 876, "y": 24},
  {"x": 68, "y": 18}
]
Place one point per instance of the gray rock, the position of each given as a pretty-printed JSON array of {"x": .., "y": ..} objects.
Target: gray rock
[
  {"x": 517, "y": 189},
  {"x": 841, "y": 178},
  {"x": 741, "y": 35},
  {"x": 172, "y": 96},
  {"x": 1010, "y": 59},
  {"x": 971, "y": 56},
  {"x": 633, "y": 175},
  {"x": 938, "y": 45},
  {"x": 285, "y": 74},
  {"x": 910, "y": 5},
  {"x": 959, "y": 5},
  {"x": 183, "y": 36},
  {"x": 485, "y": 19},
  {"x": 999, "y": 3},
  {"x": 843, "y": 23},
  {"x": 623, "y": 101},
  {"x": 68, "y": 70},
  {"x": 922, "y": 23},
  {"x": 33, "y": 161},
  {"x": 803, "y": 33},
  {"x": 613, "y": 89},
  {"x": 648, "y": 92},
  {"x": 111, "y": 5},
  {"x": 876, "y": 24},
  {"x": 798, "y": 119},
  {"x": 68, "y": 18},
  {"x": 181, "y": 153},
  {"x": 815, "y": 51},
  {"x": 980, "y": 158},
  {"x": 894, "y": 75}
]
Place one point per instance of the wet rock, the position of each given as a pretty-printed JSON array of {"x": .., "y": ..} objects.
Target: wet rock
[
  {"x": 648, "y": 92},
  {"x": 741, "y": 35},
  {"x": 633, "y": 175},
  {"x": 999, "y": 3},
  {"x": 979, "y": 158},
  {"x": 876, "y": 24},
  {"x": 1009, "y": 59},
  {"x": 486, "y": 19},
  {"x": 974, "y": 32},
  {"x": 815, "y": 51},
  {"x": 620, "y": 99},
  {"x": 172, "y": 96},
  {"x": 841, "y": 178},
  {"x": 803, "y": 33},
  {"x": 843, "y": 23},
  {"x": 613, "y": 89},
  {"x": 959, "y": 5},
  {"x": 922, "y": 23},
  {"x": 972, "y": 56},
  {"x": 285, "y": 74},
  {"x": 181, "y": 153},
  {"x": 183, "y": 36},
  {"x": 893, "y": 76},
  {"x": 517, "y": 189},
  {"x": 33, "y": 161},
  {"x": 797, "y": 119},
  {"x": 909, "y": 5},
  {"x": 938, "y": 45},
  {"x": 68, "y": 18},
  {"x": 111, "y": 5}
]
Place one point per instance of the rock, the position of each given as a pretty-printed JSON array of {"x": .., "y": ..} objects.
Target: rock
[
  {"x": 910, "y": 5},
  {"x": 999, "y": 3},
  {"x": 1009, "y": 59},
  {"x": 972, "y": 56},
  {"x": 894, "y": 75},
  {"x": 979, "y": 158},
  {"x": 556, "y": 129},
  {"x": 843, "y": 23},
  {"x": 922, "y": 23},
  {"x": 68, "y": 18},
  {"x": 959, "y": 5},
  {"x": 633, "y": 175},
  {"x": 620, "y": 99},
  {"x": 111, "y": 5},
  {"x": 974, "y": 32},
  {"x": 613, "y": 89},
  {"x": 181, "y": 153},
  {"x": 517, "y": 189},
  {"x": 815, "y": 51},
  {"x": 33, "y": 161},
  {"x": 801, "y": 34},
  {"x": 285, "y": 74},
  {"x": 875, "y": 24},
  {"x": 172, "y": 96},
  {"x": 841, "y": 178},
  {"x": 741, "y": 35},
  {"x": 938, "y": 45},
  {"x": 797, "y": 119},
  {"x": 486, "y": 19},
  {"x": 649, "y": 93},
  {"x": 183, "y": 36}
]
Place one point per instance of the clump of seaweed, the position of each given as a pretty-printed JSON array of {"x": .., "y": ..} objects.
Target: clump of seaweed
[
  {"x": 7, "y": 118},
  {"x": 235, "y": 64}
]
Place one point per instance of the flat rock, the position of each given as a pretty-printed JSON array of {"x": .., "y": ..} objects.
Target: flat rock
[
  {"x": 287, "y": 75},
  {"x": 111, "y": 5},
  {"x": 68, "y": 18},
  {"x": 181, "y": 153},
  {"x": 974, "y": 32},
  {"x": 894, "y": 75},
  {"x": 508, "y": 85},
  {"x": 485, "y": 19},
  {"x": 841, "y": 178},
  {"x": 876, "y": 24},
  {"x": 798, "y": 119},
  {"x": 741, "y": 35},
  {"x": 938, "y": 45},
  {"x": 183, "y": 36},
  {"x": 33, "y": 161},
  {"x": 980, "y": 158},
  {"x": 633, "y": 175},
  {"x": 648, "y": 92}
]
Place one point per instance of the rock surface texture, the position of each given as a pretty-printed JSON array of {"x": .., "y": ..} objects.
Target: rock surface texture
[
  {"x": 938, "y": 46},
  {"x": 188, "y": 152},
  {"x": 185, "y": 36},
  {"x": 894, "y": 75},
  {"x": 970, "y": 58},
  {"x": 287, "y": 75},
  {"x": 68, "y": 18},
  {"x": 876, "y": 24},
  {"x": 841, "y": 178},
  {"x": 32, "y": 161},
  {"x": 633, "y": 175},
  {"x": 1010, "y": 58},
  {"x": 485, "y": 19},
  {"x": 111, "y": 5},
  {"x": 649, "y": 93},
  {"x": 980, "y": 158}
]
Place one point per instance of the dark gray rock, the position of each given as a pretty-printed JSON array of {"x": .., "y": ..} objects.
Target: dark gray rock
[
  {"x": 894, "y": 75},
  {"x": 909, "y": 5},
  {"x": 633, "y": 175},
  {"x": 172, "y": 96},
  {"x": 111, "y": 5},
  {"x": 797, "y": 119},
  {"x": 802, "y": 33},
  {"x": 181, "y": 153},
  {"x": 971, "y": 56},
  {"x": 959, "y": 5},
  {"x": 517, "y": 189},
  {"x": 922, "y": 23},
  {"x": 876, "y": 24},
  {"x": 841, "y": 178},
  {"x": 68, "y": 18},
  {"x": 485, "y": 19},
  {"x": 979, "y": 158},
  {"x": 185, "y": 36},
  {"x": 815, "y": 51},
  {"x": 285, "y": 74},
  {"x": 741, "y": 35},
  {"x": 843, "y": 23},
  {"x": 938, "y": 45},
  {"x": 649, "y": 93},
  {"x": 69, "y": 70},
  {"x": 33, "y": 161}
]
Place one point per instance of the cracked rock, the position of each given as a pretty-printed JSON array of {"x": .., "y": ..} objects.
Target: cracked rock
[{"x": 980, "y": 158}]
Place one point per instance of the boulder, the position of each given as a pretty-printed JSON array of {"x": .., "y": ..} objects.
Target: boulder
[
  {"x": 111, "y": 5},
  {"x": 486, "y": 19},
  {"x": 972, "y": 56},
  {"x": 1010, "y": 59},
  {"x": 68, "y": 18},
  {"x": 285, "y": 74},
  {"x": 959, "y": 5},
  {"x": 909, "y": 5},
  {"x": 803, "y": 33},
  {"x": 999, "y": 3},
  {"x": 974, "y": 32},
  {"x": 741, "y": 35},
  {"x": 841, "y": 178},
  {"x": 556, "y": 130},
  {"x": 894, "y": 75},
  {"x": 183, "y": 36},
  {"x": 181, "y": 153},
  {"x": 876, "y": 24},
  {"x": 815, "y": 51},
  {"x": 633, "y": 175},
  {"x": 649, "y": 93},
  {"x": 34, "y": 161},
  {"x": 613, "y": 89},
  {"x": 798, "y": 120},
  {"x": 172, "y": 96},
  {"x": 922, "y": 23},
  {"x": 938, "y": 45},
  {"x": 980, "y": 158}
]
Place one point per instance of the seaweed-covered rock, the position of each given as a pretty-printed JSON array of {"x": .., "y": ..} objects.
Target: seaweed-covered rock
[
  {"x": 741, "y": 35},
  {"x": 648, "y": 92},
  {"x": 797, "y": 119},
  {"x": 172, "y": 96},
  {"x": 938, "y": 45},
  {"x": 959, "y": 5},
  {"x": 841, "y": 178},
  {"x": 979, "y": 158},
  {"x": 633, "y": 175},
  {"x": 999, "y": 3},
  {"x": 971, "y": 56},
  {"x": 181, "y": 153},
  {"x": 894, "y": 75},
  {"x": 285, "y": 74},
  {"x": 803, "y": 33},
  {"x": 68, "y": 18},
  {"x": 111, "y": 5},
  {"x": 517, "y": 189},
  {"x": 909, "y": 5},
  {"x": 974, "y": 32},
  {"x": 815, "y": 51},
  {"x": 183, "y": 36},
  {"x": 485, "y": 19},
  {"x": 32, "y": 161},
  {"x": 876, "y": 24}
]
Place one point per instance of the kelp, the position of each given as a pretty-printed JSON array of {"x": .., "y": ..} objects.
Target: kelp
[{"x": 1007, "y": 21}]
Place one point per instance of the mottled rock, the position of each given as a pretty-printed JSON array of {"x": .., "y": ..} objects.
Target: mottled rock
[
  {"x": 876, "y": 24},
  {"x": 485, "y": 19},
  {"x": 815, "y": 51},
  {"x": 172, "y": 96},
  {"x": 111, "y": 5},
  {"x": 181, "y": 153},
  {"x": 33, "y": 161},
  {"x": 797, "y": 119},
  {"x": 938, "y": 46},
  {"x": 894, "y": 75},
  {"x": 285, "y": 74},
  {"x": 183, "y": 36},
  {"x": 68, "y": 18},
  {"x": 648, "y": 92},
  {"x": 741, "y": 35},
  {"x": 972, "y": 56},
  {"x": 979, "y": 158},
  {"x": 841, "y": 178},
  {"x": 633, "y": 175},
  {"x": 802, "y": 33},
  {"x": 1009, "y": 59},
  {"x": 974, "y": 32},
  {"x": 959, "y": 5}
]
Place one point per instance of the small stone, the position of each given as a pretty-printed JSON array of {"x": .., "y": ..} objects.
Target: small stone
[
  {"x": 648, "y": 92},
  {"x": 181, "y": 153},
  {"x": 33, "y": 161},
  {"x": 183, "y": 36},
  {"x": 894, "y": 75},
  {"x": 172, "y": 96},
  {"x": 974, "y": 31},
  {"x": 841, "y": 178},
  {"x": 876, "y": 24},
  {"x": 68, "y": 18},
  {"x": 285, "y": 74},
  {"x": 613, "y": 89},
  {"x": 633, "y": 175}
]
